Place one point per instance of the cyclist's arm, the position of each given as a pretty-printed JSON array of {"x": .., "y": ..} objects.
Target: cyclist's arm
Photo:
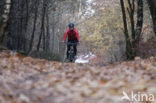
[{"x": 65, "y": 35}]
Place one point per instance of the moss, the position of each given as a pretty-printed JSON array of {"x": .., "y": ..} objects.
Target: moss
[{"x": 46, "y": 55}]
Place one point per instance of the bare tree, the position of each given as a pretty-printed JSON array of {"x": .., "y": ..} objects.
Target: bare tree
[{"x": 132, "y": 40}]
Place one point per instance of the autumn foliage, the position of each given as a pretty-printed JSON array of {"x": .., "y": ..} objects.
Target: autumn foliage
[{"x": 28, "y": 80}]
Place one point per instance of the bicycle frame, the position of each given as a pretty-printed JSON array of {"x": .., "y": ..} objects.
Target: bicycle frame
[{"x": 71, "y": 51}]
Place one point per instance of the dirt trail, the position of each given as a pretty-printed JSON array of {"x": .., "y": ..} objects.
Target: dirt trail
[{"x": 28, "y": 80}]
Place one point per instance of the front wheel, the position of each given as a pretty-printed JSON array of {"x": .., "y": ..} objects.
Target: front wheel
[{"x": 72, "y": 57}]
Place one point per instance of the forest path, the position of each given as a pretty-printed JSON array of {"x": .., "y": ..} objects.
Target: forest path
[{"x": 28, "y": 80}]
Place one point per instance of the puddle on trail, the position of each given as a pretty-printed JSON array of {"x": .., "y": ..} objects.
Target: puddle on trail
[{"x": 85, "y": 58}]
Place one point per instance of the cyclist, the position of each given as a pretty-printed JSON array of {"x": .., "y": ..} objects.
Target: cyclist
[{"x": 73, "y": 37}]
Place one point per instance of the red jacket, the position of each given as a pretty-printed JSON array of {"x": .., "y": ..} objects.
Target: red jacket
[{"x": 72, "y": 35}]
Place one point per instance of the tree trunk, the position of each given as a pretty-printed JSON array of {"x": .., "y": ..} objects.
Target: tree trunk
[
  {"x": 42, "y": 34},
  {"x": 127, "y": 38},
  {"x": 139, "y": 24},
  {"x": 34, "y": 27},
  {"x": 152, "y": 7},
  {"x": 5, "y": 16},
  {"x": 47, "y": 34}
]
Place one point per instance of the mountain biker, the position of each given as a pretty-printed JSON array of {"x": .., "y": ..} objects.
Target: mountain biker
[{"x": 73, "y": 37}]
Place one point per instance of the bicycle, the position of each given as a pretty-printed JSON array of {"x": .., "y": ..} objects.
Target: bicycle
[{"x": 71, "y": 54}]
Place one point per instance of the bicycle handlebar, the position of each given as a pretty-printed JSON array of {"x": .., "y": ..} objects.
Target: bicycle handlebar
[
  {"x": 68, "y": 43},
  {"x": 72, "y": 43}
]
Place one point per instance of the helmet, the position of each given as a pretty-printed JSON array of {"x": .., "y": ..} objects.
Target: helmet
[{"x": 71, "y": 25}]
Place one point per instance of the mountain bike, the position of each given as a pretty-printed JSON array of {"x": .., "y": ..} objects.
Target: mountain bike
[{"x": 71, "y": 54}]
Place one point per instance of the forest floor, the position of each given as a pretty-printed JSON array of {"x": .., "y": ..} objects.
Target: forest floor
[{"x": 28, "y": 80}]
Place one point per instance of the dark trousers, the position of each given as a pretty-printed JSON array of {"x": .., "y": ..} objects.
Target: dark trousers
[{"x": 69, "y": 46}]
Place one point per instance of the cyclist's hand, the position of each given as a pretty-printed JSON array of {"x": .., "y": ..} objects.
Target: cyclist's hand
[
  {"x": 78, "y": 43},
  {"x": 63, "y": 41}
]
